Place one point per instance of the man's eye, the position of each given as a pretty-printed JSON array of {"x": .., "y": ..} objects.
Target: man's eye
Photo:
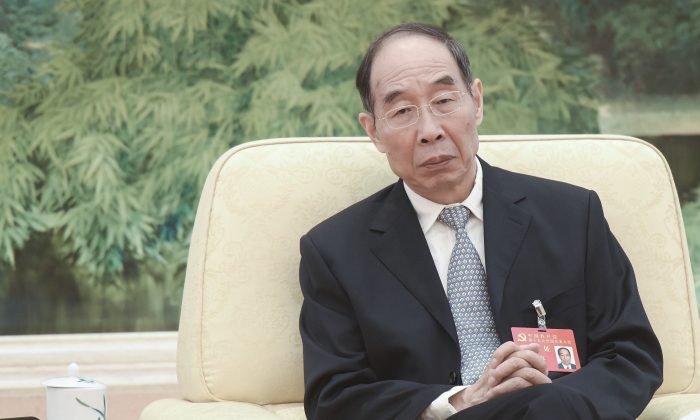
[
  {"x": 400, "y": 111},
  {"x": 443, "y": 101}
]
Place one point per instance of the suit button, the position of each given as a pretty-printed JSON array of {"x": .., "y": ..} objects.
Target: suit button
[{"x": 453, "y": 378}]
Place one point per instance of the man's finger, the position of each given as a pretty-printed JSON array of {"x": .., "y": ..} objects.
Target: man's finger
[
  {"x": 502, "y": 352},
  {"x": 521, "y": 379},
  {"x": 521, "y": 359},
  {"x": 533, "y": 358},
  {"x": 506, "y": 369}
]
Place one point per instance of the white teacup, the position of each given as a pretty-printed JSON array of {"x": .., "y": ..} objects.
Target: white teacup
[{"x": 74, "y": 398}]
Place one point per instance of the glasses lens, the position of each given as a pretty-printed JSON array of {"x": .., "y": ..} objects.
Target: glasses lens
[
  {"x": 402, "y": 116},
  {"x": 446, "y": 103}
]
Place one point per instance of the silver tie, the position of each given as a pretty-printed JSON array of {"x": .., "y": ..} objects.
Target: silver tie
[{"x": 469, "y": 298}]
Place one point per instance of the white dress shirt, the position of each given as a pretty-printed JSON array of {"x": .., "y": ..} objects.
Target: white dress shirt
[{"x": 441, "y": 239}]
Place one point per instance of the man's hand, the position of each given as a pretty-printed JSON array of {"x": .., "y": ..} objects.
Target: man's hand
[{"x": 512, "y": 367}]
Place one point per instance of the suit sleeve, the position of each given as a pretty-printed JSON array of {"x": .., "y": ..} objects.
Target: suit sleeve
[
  {"x": 339, "y": 382},
  {"x": 624, "y": 363}
]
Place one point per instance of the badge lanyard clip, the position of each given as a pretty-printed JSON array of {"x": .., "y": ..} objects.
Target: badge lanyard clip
[{"x": 541, "y": 313}]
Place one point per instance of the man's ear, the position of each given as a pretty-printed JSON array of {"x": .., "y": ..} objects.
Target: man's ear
[
  {"x": 478, "y": 98},
  {"x": 367, "y": 122}
]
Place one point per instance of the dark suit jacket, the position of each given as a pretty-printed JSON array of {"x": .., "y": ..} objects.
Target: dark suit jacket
[{"x": 378, "y": 336}]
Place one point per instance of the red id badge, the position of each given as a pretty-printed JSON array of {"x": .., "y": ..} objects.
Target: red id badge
[{"x": 556, "y": 345}]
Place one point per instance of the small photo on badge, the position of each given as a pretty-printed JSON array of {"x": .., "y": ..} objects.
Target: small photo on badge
[{"x": 565, "y": 357}]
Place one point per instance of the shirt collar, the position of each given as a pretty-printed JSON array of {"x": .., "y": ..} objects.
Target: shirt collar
[{"x": 428, "y": 211}]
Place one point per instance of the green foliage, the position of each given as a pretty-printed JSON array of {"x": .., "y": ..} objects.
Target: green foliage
[
  {"x": 301, "y": 60},
  {"x": 27, "y": 20},
  {"x": 15, "y": 64},
  {"x": 126, "y": 119},
  {"x": 641, "y": 42},
  {"x": 649, "y": 38},
  {"x": 303, "y": 69},
  {"x": 530, "y": 87},
  {"x": 114, "y": 110},
  {"x": 19, "y": 214},
  {"x": 125, "y": 127}
]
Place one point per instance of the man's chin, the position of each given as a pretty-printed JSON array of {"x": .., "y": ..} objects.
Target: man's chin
[{"x": 443, "y": 189}]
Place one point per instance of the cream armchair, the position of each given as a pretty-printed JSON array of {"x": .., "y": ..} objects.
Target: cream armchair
[{"x": 239, "y": 351}]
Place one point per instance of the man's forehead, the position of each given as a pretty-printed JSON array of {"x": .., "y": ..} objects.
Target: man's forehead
[{"x": 403, "y": 56}]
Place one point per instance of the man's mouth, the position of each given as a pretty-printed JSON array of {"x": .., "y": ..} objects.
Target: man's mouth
[{"x": 436, "y": 161}]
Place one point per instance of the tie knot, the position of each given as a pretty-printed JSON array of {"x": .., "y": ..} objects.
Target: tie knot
[{"x": 455, "y": 217}]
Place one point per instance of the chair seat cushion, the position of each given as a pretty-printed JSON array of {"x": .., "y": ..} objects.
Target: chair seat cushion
[
  {"x": 676, "y": 406},
  {"x": 174, "y": 409}
]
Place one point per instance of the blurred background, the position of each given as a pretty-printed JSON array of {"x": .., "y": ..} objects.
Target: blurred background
[{"x": 113, "y": 111}]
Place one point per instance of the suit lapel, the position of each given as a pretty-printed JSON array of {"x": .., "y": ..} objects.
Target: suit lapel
[
  {"x": 505, "y": 225},
  {"x": 402, "y": 248}
]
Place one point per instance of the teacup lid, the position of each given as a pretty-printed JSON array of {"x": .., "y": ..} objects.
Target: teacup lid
[{"x": 72, "y": 380}]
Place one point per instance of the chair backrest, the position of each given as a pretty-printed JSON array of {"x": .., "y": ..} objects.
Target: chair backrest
[{"x": 239, "y": 338}]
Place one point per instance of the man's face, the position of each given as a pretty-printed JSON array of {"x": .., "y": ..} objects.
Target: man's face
[
  {"x": 436, "y": 155},
  {"x": 565, "y": 356}
]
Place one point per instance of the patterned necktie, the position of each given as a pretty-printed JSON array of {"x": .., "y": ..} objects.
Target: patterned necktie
[{"x": 469, "y": 299}]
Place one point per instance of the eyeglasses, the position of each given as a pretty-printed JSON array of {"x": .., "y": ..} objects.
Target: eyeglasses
[{"x": 444, "y": 104}]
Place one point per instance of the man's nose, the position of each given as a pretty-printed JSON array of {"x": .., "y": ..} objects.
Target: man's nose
[{"x": 429, "y": 126}]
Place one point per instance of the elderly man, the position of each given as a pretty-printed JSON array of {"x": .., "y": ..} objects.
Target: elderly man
[{"x": 410, "y": 294}]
